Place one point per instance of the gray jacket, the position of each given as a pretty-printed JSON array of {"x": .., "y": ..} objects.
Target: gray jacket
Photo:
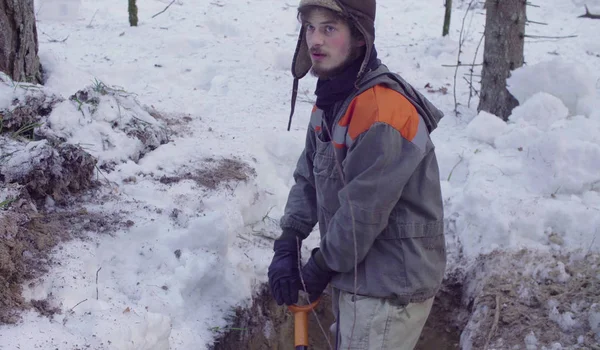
[{"x": 375, "y": 184}]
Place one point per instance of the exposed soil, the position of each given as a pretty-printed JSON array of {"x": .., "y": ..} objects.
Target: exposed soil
[
  {"x": 176, "y": 122},
  {"x": 27, "y": 236},
  {"x": 528, "y": 293},
  {"x": 214, "y": 172}
]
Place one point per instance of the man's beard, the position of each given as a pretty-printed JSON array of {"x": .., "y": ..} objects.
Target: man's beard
[{"x": 332, "y": 72}]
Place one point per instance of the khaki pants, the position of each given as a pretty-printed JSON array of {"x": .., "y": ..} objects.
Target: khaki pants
[{"x": 380, "y": 323}]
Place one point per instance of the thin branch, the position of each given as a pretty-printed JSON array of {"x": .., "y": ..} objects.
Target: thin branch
[
  {"x": 166, "y": 8},
  {"x": 78, "y": 304},
  {"x": 458, "y": 63},
  {"x": 472, "y": 72},
  {"x": 94, "y": 16},
  {"x": 532, "y": 5},
  {"x": 588, "y": 14},
  {"x": 462, "y": 65},
  {"x": 550, "y": 37},
  {"x": 534, "y": 22},
  {"x": 471, "y": 90},
  {"x": 97, "y": 282}
]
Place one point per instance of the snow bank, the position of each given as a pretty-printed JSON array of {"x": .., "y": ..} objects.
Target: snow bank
[
  {"x": 567, "y": 81},
  {"x": 108, "y": 122},
  {"x": 534, "y": 181}
]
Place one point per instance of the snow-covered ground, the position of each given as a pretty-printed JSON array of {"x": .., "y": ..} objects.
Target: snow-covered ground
[{"x": 222, "y": 68}]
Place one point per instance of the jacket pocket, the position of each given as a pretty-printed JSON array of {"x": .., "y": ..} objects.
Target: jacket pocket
[
  {"x": 328, "y": 180},
  {"x": 418, "y": 252}
]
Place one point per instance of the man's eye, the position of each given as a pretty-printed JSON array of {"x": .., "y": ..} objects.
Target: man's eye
[
  {"x": 310, "y": 27},
  {"x": 329, "y": 29}
]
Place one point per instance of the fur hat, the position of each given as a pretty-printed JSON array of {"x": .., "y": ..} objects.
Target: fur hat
[{"x": 361, "y": 14}]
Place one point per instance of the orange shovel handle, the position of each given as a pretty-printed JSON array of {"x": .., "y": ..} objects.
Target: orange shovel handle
[{"x": 301, "y": 322}]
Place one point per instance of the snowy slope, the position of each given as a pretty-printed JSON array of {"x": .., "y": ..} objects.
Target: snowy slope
[{"x": 225, "y": 66}]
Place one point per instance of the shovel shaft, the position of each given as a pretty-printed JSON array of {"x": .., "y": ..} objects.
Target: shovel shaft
[
  {"x": 301, "y": 330},
  {"x": 301, "y": 324}
]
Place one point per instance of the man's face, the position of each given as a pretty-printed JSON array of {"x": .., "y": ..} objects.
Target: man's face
[{"x": 330, "y": 43}]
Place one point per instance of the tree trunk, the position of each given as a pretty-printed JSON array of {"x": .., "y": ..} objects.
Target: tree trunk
[
  {"x": 18, "y": 41},
  {"x": 133, "y": 13},
  {"x": 503, "y": 52},
  {"x": 447, "y": 17}
]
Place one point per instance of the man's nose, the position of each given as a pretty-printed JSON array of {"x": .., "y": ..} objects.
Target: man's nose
[{"x": 315, "y": 39}]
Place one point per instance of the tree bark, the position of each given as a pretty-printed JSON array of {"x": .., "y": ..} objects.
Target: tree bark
[
  {"x": 503, "y": 52},
  {"x": 18, "y": 41},
  {"x": 447, "y": 17},
  {"x": 133, "y": 13}
]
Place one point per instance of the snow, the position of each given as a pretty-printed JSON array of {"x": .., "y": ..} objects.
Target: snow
[
  {"x": 568, "y": 81},
  {"x": 532, "y": 182}
]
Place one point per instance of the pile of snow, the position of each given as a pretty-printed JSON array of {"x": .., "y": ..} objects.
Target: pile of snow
[{"x": 534, "y": 181}]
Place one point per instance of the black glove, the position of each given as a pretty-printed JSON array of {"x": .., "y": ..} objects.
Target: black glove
[
  {"x": 316, "y": 275},
  {"x": 284, "y": 271}
]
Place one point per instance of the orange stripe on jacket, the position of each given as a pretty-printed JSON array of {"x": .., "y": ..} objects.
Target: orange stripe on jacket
[{"x": 383, "y": 105}]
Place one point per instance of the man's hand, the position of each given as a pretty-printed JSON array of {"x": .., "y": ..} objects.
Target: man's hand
[
  {"x": 284, "y": 273},
  {"x": 316, "y": 276}
]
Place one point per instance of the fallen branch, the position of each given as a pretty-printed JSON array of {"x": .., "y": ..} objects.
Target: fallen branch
[
  {"x": 71, "y": 310},
  {"x": 166, "y": 8},
  {"x": 495, "y": 324},
  {"x": 588, "y": 14},
  {"x": 97, "y": 282}
]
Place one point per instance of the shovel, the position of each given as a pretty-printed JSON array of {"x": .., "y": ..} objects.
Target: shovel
[{"x": 301, "y": 324}]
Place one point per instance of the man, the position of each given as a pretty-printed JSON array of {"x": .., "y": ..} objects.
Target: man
[{"x": 369, "y": 177}]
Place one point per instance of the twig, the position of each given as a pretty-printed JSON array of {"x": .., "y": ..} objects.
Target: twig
[
  {"x": 472, "y": 71},
  {"x": 92, "y": 20},
  {"x": 495, "y": 324},
  {"x": 550, "y": 37},
  {"x": 588, "y": 14},
  {"x": 458, "y": 63},
  {"x": 462, "y": 65},
  {"x": 454, "y": 167},
  {"x": 97, "y": 282},
  {"x": 530, "y": 4},
  {"x": 52, "y": 40},
  {"x": 166, "y": 8},
  {"x": 471, "y": 90},
  {"x": 534, "y": 22},
  {"x": 81, "y": 302}
]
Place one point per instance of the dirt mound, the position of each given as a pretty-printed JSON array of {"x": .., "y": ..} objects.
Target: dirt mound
[
  {"x": 27, "y": 237},
  {"x": 46, "y": 169},
  {"x": 533, "y": 299}
]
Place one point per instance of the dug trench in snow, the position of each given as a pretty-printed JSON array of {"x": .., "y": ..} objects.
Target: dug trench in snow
[
  {"x": 502, "y": 300},
  {"x": 265, "y": 325}
]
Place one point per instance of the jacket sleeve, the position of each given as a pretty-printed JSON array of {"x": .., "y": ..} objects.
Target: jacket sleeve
[
  {"x": 300, "y": 215},
  {"x": 376, "y": 169}
]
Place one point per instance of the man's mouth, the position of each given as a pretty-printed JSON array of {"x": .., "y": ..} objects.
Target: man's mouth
[{"x": 318, "y": 56}]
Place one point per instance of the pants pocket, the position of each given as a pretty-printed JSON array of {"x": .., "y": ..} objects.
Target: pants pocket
[{"x": 356, "y": 318}]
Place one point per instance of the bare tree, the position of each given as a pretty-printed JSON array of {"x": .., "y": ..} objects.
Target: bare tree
[
  {"x": 447, "y": 17},
  {"x": 133, "y": 13},
  {"x": 503, "y": 52},
  {"x": 18, "y": 41}
]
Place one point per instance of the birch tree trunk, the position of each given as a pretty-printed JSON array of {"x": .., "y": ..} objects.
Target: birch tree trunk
[
  {"x": 503, "y": 52},
  {"x": 18, "y": 41}
]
